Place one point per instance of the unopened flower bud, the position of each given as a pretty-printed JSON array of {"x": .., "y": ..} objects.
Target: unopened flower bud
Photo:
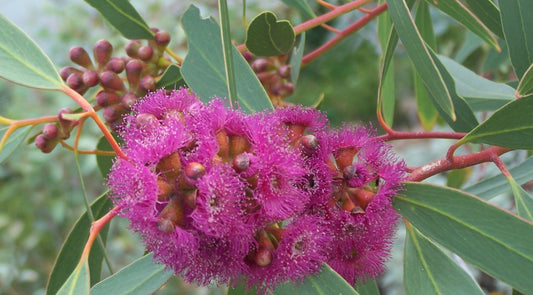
[
  {"x": 132, "y": 47},
  {"x": 45, "y": 145},
  {"x": 106, "y": 98},
  {"x": 145, "y": 53},
  {"x": 66, "y": 71},
  {"x": 116, "y": 65},
  {"x": 285, "y": 89},
  {"x": 128, "y": 100},
  {"x": 162, "y": 38},
  {"x": 102, "y": 52},
  {"x": 111, "y": 80},
  {"x": 90, "y": 78},
  {"x": 309, "y": 141},
  {"x": 284, "y": 71},
  {"x": 248, "y": 56},
  {"x": 113, "y": 113},
  {"x": 75, "y": 82},
  {"x": 259, "y": 65},
  {"x": 145, "y": 120},
  {"x": 147, "y": 83},
  {"x": 81, "y": 57},
  {"x": 170, "y": 216},
  {"x": 194, "y": 170},
  {"x": 349, "y": 172},
  {"x": 241, "y": 162},
  {"x": 263, "y": 257},
  {"x": 50, "y": 130},
  {"x": 134, "y": 68}
]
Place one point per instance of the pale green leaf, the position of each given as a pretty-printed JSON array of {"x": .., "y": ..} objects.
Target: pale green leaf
[
  {"x": 13, "y": 142},
  {"x": 78, "y": 281},
  {"x": 526, "y": 83},
  {"x": 518, "y": 29},
  {"x": 523, "y": 200}
]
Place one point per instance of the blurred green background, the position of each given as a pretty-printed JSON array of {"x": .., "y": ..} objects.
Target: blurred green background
[{"x": 40, "y": 195}]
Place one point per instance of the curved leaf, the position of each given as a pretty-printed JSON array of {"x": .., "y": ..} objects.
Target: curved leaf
[
  {"x": 526, "y": 83},
  {"x": 490, "y": 238},
  {"x": 427, "y": 270},
  {"x": 22, "y": 61},
  {"x": 370, "y": 287},
  {"x": 13, "y": 142},
  {"x": 493, "y": 186},
  {"x": 518, "y": 29},
  {"x": 123, "y": 17},
  {"x": 171, "y": 78},
  {"x": 523, "y": 200},
  {"x": 511, "y": 126},
  {"x": 78, "y": 281},
  {"x": 463, "y": 15},
  {"x": 142, "y": 276},
  {"x": 266, "y": 36},
  {"x": 71, "y": 250},
  {"x": 203, "y": 68},
  {"x": 488, "y": 13},
  {"x": 295, "y": 60},
  {"x": 105, "y": 162},
  {"x": 302, "y": 6}
]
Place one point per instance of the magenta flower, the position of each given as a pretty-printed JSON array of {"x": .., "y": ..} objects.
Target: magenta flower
[{"x": 262, "y": 199}]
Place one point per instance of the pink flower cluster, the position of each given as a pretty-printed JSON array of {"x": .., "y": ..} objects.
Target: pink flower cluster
[{"x": 221, "y": 196}]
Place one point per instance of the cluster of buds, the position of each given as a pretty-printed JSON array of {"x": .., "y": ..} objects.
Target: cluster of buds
[
  {"x": 274, "y": 74},
  {"x": 265, "y": 198},
  {"x": 53, "y": 133},
  {"x": 142, "y": 65}
]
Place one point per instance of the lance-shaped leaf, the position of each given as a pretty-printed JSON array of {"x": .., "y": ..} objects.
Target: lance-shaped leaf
[
  {"x": 388, "y": 39},
  {"x": 484, "y": 235},
  {"x": 71, "y": 250},
  {"x": 493, "y": 186},
  {"x": 78, "y": 281},
  {"x": 203, "y": 67},
  {"x": 487, "y": 13},
  {"x": 463, "y": 15},
  {"x": 480, "y": 93},
  {"x": 526, "y": 83},
  {"x": 22, "y": 61},
  {"x": 171, "y": 78},
  {"x": 266, "y": 36},
  {"x": 143, "y": 276},
  {"x": 428, "y": 270},
  {"x": 123, "y": 17},
  {"x": 511, "y": 126},
  {"x": 12, "y": 142},
  {"x": 370, "y": 287},
  {"x": 518, "y": 29},
  {"x": 295, "y": 60},
  {"x": 523, "y": 200}
]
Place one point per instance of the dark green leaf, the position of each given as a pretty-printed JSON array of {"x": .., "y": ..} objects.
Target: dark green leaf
[
  {"x": 295, "y": 60},
  {"x": 123, "y": 17},
  {"x": 13, "y": 142},
  {"x": 70, "y": 252},
  {"x": 477, "y": 231},
  {"x": 78, "y": 281},
  {"x": 388, "y": 39},
  {"x": 22, "y": 61},
  {"x": 456, "y": 178},
  {"x": 225, "y": 33},
  {"x": 523, "y": 200},
  {"x": 302, "y": 6},
  {"x": 526, "y": 83},
  {"x": 143, "y": 276},
  {"x": 488, "y": 13},
  {"x": 370, "y": 287},
  {"x": 483, "y": 94},
  {"x": 463, "y": 15},
  {"x": 171, "y": 78},
  {"x": 493, "y": 186},
  {"x": 266, "y": 36},
  {"x": 203, "y": 68},
  {"x": 518, "y": 29},
  {"x": 427, "y": 270},
  {"x": 511, "y": 126}
]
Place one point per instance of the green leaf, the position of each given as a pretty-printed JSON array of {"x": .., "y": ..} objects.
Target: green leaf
[
  {"x": 482, "y": 94},
  {"x": 510, "y": 126},
  {"x": 13, "y": 142},
  {"x": 123, "y": 17},
  {"x": 370, "y": 287},
  {"x": 484, "y": 235},
  {"x": 105, "y": 162},
  {"x": 143, "y": 276},
  {"x": 266, "y": 36},
  {"x": 421, "y": 58},
  {"x": 518, "y": 29},
  {"x": 523, "y": 200},
  {"x": 171, "y": 78},
  {"x": 225, "y": 34},
  {"x": 71, "y": 250},
  {"x": 388, "y": 39},
  {"x": 302, "y": 6},
  {"x": 203, "y": 68},
  {"x": 24, "y": 62},
  {"x": 426, "y": 111},
  {"x": 456, "y": 178},
  {"x": 463, "y": 15},
  {"x": 526, "y": 83},
  {"x": 427, "y": 270},
  {"x": 487, "y": 13},
  {"x": 493, "y": 186},
  {"x": 324, "y": 283},
  {"x": 295, "y": 60},
  {"x": 78, "y": 281},
  {"x": 471, "y": 43}
]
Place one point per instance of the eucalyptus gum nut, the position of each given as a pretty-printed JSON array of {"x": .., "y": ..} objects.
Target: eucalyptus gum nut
[
  {"x": 284, "y": 71},
  {"x": 259, "y": 65},
  {"x": 147, "y": 83},
  {"x": 66, "y": 71},
  {"x": 194, "y": 170},
  {"x": 116, "y": 65},
  {"x": 162, "y": 38},
  {"x": 90, "y": 78},
  {"x": 134, "y": 68},
  {"x": 110, "y": 80},
  {"x": 45, "y": 145},
  {"x": 128, "y": 100},
  {"x": 74, "y": 81},
  {"x": 102, "y": 52},
  {"x": 113, "y": 113},
  {"x": 50, "y": 131},
  {"x": 132, "y": 47},
  {"x": 145, "y": 53},
  {"x": 107, "y": 98},
  {"x": 241, "y": 163},
  {"x": 80, "y": 57}
]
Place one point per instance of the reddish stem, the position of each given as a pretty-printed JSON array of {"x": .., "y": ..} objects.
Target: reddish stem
[
  {"x": 96, "y": 227},
  {"x": 498, "y": 162},
  {"x": 396, "y": 135},
  {"x": 344, "y": 33},
  {"x": 456, "y": 162}
]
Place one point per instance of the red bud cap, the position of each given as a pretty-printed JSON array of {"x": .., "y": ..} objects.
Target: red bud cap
[
  {"x": 147, "y": 83},
  {"x": 113, "y": 113},
  {"x": 194, "y": 170},
  {"x": 241, "y": 162},
  {"x": 116, "y": 65},
  {"x": 259, "y": 65},
  {"x": 110, "y": 80},
  {"x": 107, "y": 98},
  {"x": 90, "y": 78},
  {"x": 145, "y": 120},
  {"x": 102, "y": 52},
  {"x": 128, "y": 100},
  {"x": 162, "y": 38},
  {"x": 248, "y": 56},
  {"x": 349, "y": 172},
  {"x": 134, "y": 68},
  {"x": 132, "y": 47},
  {"x": 286, "y": 89},
  {"x": 284, "y": 71},
  {"x": 45, "y": 145},
  {"x": 75, "y": 81},
  {"x": 263, "y": 257},
  {"x": 66, "y": 71},
  {"x": 50, "y": 131},
  {"x": 309, "y": 141},
  {"x": 145, "y": 53},
  {"x": 81, "y": 57}
]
